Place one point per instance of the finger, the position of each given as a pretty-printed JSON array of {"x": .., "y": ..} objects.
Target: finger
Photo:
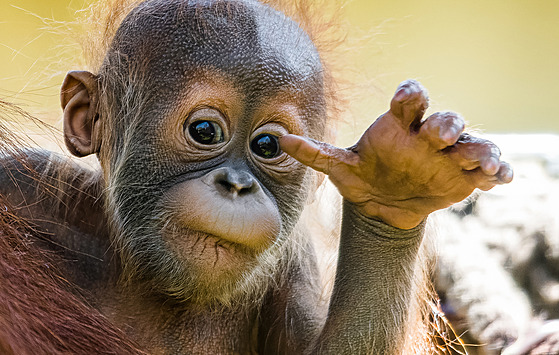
[
  {"x": 409, "y": 103},
  {"x": 480, "y": 180},
  {"x": 442, "y": 129},
  {"x": 473, "y": 152},
  {"x": 505, "y": 173},
  {"x": 320, "y": 156}
]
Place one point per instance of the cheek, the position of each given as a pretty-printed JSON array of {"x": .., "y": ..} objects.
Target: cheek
[{"x": 292, "y": 197}]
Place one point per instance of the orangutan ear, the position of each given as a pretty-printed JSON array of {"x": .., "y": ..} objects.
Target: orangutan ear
[{"x": 79, "y": 97}]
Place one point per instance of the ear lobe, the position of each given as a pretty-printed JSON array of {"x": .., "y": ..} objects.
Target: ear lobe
[{"x": 78, "y": 96}]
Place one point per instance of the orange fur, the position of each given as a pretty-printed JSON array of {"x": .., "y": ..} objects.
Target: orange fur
[{"x": 38, "y": 312}]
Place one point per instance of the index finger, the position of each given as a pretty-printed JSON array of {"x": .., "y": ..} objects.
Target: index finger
[{"x": 317, "y": 155}]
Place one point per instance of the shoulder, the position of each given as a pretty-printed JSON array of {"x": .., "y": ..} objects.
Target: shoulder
[
  {"x": 61, "y": 200},
  {"x": 36, "y": 181}
]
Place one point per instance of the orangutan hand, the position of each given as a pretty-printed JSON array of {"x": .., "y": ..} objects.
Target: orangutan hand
[{"x": 403, "y": 167}]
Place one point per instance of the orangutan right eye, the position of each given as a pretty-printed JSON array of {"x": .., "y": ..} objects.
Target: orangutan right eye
[{"x": 206, "y": 132}]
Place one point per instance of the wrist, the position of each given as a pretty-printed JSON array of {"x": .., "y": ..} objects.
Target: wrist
[
  {"x": 394, "y": 216},
  {"x": 363, "y": 224}
]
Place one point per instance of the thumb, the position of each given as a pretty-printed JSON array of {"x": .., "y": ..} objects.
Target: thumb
[{"x": 320, "y": 156}]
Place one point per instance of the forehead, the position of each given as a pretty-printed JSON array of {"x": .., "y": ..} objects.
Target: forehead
[{"x": 256, "y": 46}]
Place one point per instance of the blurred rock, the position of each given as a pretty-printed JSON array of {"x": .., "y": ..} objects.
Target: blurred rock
[{"x": 498, "y": 263}]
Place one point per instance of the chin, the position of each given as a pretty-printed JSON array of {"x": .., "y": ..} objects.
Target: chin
[
  {"x": 206, "y": 253},
  {"x": 210, "y": 269}
]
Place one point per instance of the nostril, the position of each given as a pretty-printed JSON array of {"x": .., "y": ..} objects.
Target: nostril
[
  {"x": 229, "y": 187},
  {"x": 247, "y": 189},
  {"x": 235, "y": 183}
]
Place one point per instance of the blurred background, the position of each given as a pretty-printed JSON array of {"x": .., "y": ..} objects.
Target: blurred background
[{"x": 496, "y": 62}]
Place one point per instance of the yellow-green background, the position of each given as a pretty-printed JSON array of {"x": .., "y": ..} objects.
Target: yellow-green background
[{"x": 494, "y": 61}]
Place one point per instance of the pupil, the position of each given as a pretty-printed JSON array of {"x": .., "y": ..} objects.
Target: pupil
[
  {"x": 202, "y": 132},
  {"x": 265, "y": 146}
]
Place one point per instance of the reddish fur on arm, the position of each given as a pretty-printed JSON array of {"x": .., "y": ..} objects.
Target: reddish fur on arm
[{"x": 38, "y": 312}]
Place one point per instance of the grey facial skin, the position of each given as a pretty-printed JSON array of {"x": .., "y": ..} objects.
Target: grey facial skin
[{"x": 227, "y": 41}]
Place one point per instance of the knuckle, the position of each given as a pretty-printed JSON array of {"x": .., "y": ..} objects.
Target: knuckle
[
  {"x": 449, "y": 115},
  {"x": 410, "y": 90},
  {"x": 478, "y": 147},
  {"x": 409, "y": 83},
  {"x": 321, "y": 162},
  {"x": 490, "y": 148},
  {"x": 456, "y": 120},
  {"x": 495, "y": 151},
  {"x": 413, "y": 85}
]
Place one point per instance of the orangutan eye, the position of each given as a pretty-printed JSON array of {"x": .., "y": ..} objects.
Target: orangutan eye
[
  {"x": 265, "y": 146},
  {"x": 206, "y": 132}
]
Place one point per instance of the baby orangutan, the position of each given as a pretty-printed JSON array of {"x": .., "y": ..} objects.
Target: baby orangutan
[{"x": 204, "y": 116}]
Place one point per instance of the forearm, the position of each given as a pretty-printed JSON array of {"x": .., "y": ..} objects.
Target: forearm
[{"x": 373, "y": 287}]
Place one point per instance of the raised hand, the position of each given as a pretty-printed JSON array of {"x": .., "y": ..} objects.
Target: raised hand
[{"x": 403, "y": 167}]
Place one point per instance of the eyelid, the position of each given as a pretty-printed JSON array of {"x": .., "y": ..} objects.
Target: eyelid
[
  {"x": 205, "y": 112},
  {"x": 272, "y": 128}
]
